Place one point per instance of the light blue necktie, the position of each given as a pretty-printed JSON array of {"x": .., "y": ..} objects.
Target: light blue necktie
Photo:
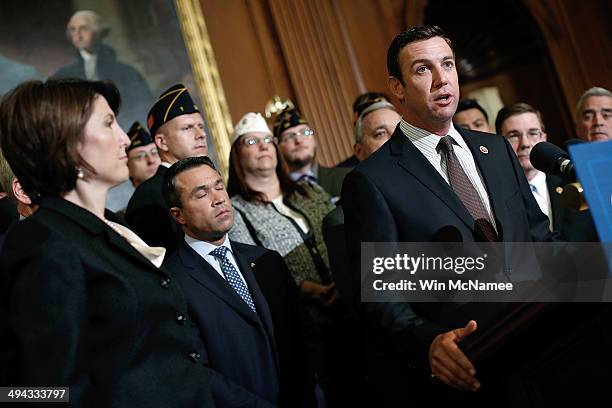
[
  {"x": 232, "y": 276},
  {"x": 309, "y": 178}
]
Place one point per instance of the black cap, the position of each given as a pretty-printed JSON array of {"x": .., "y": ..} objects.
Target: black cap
[
  {"x": 365, "y": 100},
  {"x": 286, "y": 119},
  {"x": 174, "y": 102},
  {"x": 138, "y": 136}
]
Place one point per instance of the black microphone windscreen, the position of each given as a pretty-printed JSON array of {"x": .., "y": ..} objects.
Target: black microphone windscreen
[
  {"x": 544, "y": 156},
  {"x": 448, "y": 233}
]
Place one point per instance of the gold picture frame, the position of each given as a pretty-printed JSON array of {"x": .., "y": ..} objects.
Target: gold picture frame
[{"x": 207, "y": 79}]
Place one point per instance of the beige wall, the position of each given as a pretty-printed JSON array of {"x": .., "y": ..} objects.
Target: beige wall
[{"x": 323, "y": 53}]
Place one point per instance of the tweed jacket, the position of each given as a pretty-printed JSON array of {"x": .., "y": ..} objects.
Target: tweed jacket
[{"x": 276, "y": 232}]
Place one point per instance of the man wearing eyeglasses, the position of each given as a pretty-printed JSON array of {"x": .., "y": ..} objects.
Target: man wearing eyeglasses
[
  {"x": 523, "y": 127},
  {"x": 297, "y": 145}
]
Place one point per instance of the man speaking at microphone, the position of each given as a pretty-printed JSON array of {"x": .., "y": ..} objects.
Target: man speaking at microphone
[{"x": 431, "y": 176}]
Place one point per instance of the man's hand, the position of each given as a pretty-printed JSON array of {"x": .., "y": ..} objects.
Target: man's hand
[
  {"x": 448, "y": 362},
  {"x": 330, "y": 295},
  {"x": 326, "y": 294}
]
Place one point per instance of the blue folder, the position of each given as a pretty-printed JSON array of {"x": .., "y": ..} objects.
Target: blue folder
[{"x": 593, "y": 164}]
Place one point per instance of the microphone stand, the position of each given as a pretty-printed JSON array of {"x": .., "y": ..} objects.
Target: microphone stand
[{"x": 572, "y": 196}]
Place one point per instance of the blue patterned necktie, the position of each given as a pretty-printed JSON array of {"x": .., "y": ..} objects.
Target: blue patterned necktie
[{"x": 232, "y": 276}]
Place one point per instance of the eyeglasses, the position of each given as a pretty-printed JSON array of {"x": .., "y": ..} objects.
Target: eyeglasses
[
  {"x": 289, "y": 137},
  {"x": 253, "y": 140},
  {"x": 531, "y": 134}
]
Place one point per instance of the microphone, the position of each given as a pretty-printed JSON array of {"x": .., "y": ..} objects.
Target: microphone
[
  {"x": 448, "y": 233},
  {"x": 551, "y": 159}
]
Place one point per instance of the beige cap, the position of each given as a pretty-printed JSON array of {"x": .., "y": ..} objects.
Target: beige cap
[{"x": 251, "y": 122}]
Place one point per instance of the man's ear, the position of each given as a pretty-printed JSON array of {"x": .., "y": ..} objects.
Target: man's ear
[
  {"x": 160, "y": 142},
  {"x": 177, "y": 214},
  {"x": 20, "y": 195},
  {"x": 357, "y": 150},
  {"x": 544, "y": 136},
  {"x": 395, "y": 87}
]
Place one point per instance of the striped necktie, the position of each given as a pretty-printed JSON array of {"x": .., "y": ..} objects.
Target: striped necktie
[{"x": 463, "y": 187}]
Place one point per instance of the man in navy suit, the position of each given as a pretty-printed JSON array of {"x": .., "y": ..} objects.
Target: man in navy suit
[
  {"x": 403, "y": 193},
  {"x": 241, "y": 297}
]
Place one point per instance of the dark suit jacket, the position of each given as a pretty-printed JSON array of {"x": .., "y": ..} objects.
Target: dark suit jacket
[
  {"x": 397, "y": 196},
  {"x": 351, "y": 162},
  {"x": 248, "y": 353},
  {"x": 149, "y": 217},
  {"x": 8, "y": 213},
  {"x": 335, "y": 240},
  {"x": 573, "y": 225},
  {"x": 330, "y": 178},
  {"x": 82, "y": 308},
  {"x": 292, "y": 324}
]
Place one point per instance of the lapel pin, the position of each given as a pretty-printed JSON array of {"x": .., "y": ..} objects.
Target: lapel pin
[
  {"x": 252, "y": 264},
  {"x": 484, "y": 150}
]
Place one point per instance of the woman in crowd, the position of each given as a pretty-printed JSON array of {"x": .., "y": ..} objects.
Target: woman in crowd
[
  {"x": 84, "y": 302},
  {"x": 275, "y": 212}
]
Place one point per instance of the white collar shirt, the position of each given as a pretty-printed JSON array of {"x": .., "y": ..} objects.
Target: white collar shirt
[
  {"x": 540, "y": 193},
  {"x": 204, "y": 249},
  {"x": 426, "y": 142}
]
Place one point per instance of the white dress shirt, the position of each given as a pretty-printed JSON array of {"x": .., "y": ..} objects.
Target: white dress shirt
[
  {"x": 540, "y": 193},
  {"x": 90, "y": 60},
  {"x": 427, "y": 142},
  {"x": 204, "y": 249},
  {"x": 299, "y": 219}
]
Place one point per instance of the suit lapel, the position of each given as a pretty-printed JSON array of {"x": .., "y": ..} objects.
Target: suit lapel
[
  {"x": 489, "y": 170},
  {"x": 244, "y": 263},
  {"x": 558, "y": 212},
  {"x": 207, "y": 276},
  {"x": 413, "y": 161},
  {"x": 98, "y": 229}
]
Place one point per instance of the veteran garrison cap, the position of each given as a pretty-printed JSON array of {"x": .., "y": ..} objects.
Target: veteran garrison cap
[
  {"x": 174, "y": 102},
  {"x": 138, "y": 136},
  {"x": 286, "y": 119}
]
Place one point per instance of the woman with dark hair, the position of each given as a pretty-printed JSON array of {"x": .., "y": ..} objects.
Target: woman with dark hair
[
  {"x": 85, "y": 303},
  {"x": 274, "y": 211}
]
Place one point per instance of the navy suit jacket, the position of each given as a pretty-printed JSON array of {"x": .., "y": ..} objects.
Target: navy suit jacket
[
  {"x": 238, "y": 344},
  {"x": 80, "y": 307},
  {"x": 573, "y": 225},
  {"x": 397, "y": 196},
  {"x": 149, "y": 217}
]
